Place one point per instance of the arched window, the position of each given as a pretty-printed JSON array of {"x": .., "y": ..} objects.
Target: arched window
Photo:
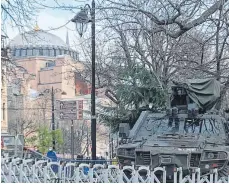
[
  {"x": 75, "y": 56},
  {"x": 18, "y": 53},
  {"x": 61, "y": 52},
  {"x": 23, "y": 52},
  {"x": 14, "y": 52},
  {"x": 29, "y": 52},
  {"x": 35, "y": 52},
  {"x": 40, "y": 52},
  {"x": 46, "y": 52},
  {"x": 57, "y": 52},
  {"x": 51, "y": 51}
]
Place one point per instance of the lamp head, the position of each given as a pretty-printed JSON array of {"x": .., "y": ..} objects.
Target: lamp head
[{"x": 81, "y": 19}]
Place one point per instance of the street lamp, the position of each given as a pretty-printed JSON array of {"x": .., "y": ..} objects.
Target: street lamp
[
  {"x": 53, "y": 91},
  {"x": 81, "y": 19}
]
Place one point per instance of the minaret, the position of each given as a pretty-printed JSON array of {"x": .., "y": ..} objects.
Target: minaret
[
  {"x": 67, "y": 39},
  {"x": 36, "y": 27}
]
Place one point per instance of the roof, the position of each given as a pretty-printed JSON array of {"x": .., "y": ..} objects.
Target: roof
[{"x": 37, "y": 38}]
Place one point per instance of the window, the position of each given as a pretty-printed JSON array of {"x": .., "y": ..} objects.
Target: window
[
  {"x": 3, "y": 111},
  {"x": 75, "y": 55},
  {"x": 46, "y": 52},
  {"x": 40, "y": 52},
  {"x": 18, "y": 52},
  {"x": 35, "y": 52},
  {"x": 61, "y": 52},
  {"x": 23, "y": 52},
  {"x": 57, "y": 52},
  {"x": 50, "y": 64},
  {"x": 51, "y": 52},
  {"x": 65, "y": 52},
  {"x": 3, "y": 83},
  {"x": 29, "y": 52},
  {"x": 14, "y": 52}
]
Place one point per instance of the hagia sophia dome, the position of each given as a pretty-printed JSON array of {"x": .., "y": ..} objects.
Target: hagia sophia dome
[{"x": 37, "y": 43}]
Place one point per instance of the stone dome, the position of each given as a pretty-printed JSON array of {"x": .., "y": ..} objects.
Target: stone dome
[
  {"x": 37, "y": 38},
  {"x": 39, "y": 43}
]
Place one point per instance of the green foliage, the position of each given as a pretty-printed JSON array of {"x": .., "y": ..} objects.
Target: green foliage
[
  {"x": 43, "y": 139},
  {"x": 136, "y": 88},
  {"x": 31, "y": 140}
]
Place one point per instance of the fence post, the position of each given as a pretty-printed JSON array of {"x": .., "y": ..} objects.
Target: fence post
[
  {"x": 34, "y": 173},
  {"x": 21, "y": 173},
  {"x": 175, "y": 175},
  {"x": 10, "y": 172},
  {"x": 60, "y": 173},
  {"x": 215, "y": 171},
  {"x": 45, "y": 173},
  {"x": 105, "y": 174},
  {"x": 77, "y": 174},
  {"x": 180, "y": 174},
  {"x": 164, "y": 175},
  {"x": 193, "y": 175},
  {"x": 90, "y": 174},
  {"x": 211, "y": 176},
  {"x": 135, "y": 176},
  {"x": 120, "y": 176},
  {"x": 198, "y": 175}
]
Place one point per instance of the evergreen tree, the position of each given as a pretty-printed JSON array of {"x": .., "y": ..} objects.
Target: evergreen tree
[{"x": 136, "y": 89}]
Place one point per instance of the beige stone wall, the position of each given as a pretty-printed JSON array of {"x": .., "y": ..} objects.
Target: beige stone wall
[
  {"x": 59, "y": 77},
  {"x": 4, "y": 122}
]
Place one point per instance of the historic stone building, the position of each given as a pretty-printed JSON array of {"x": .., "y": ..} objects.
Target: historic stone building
[
  {"x": 48, "y": 60},
  {"x": 43, "y": 61},
  {"x": 4, "y": 60}
]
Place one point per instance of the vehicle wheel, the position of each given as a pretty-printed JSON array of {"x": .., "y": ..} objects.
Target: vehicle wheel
[{"x": 224, "y": 172}]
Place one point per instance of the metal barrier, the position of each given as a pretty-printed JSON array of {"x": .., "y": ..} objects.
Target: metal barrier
[
  {"x": 87, "y": 161},
  {"x": 16, "y": 170}
]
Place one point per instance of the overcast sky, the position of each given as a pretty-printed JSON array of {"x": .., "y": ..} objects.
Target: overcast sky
[{"x": 48, "y": 19}]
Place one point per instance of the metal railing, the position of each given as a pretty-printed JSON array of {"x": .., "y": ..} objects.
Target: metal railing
[
  {"x": 88, "y": 161},
  {"x": 30, "y": 154},
  {"x": 16, "y": 170}
]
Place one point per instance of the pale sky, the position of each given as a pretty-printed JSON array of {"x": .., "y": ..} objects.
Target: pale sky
[{"x": 48, "y": 19}]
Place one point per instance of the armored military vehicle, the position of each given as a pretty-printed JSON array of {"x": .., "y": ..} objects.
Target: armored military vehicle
[{"x": 189, "y": 135}]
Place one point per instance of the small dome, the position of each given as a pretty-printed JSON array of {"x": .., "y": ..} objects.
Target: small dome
[{"x": 37, "y": 38}]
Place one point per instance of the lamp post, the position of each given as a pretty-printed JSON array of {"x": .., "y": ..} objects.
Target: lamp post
[
  {"x": 81, "y": 19},
  {"x": 53, "y": 91}
]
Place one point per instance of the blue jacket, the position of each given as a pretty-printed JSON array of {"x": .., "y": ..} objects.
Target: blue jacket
[{"x": 52, "y": 156}]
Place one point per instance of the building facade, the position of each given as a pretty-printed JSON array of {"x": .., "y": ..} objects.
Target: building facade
[
  {"x": 47, "y": 61},
  {"x": 4, "y": 61},
  {"x": 44, "y": 61}
]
